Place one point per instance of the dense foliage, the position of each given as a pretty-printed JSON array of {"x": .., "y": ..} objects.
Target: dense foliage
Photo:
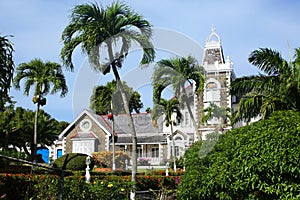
[
  {"x": 259, "y": 161},
  {"x": 104, "y": 95},
  {"x": 6, "y": 70},
  {"x": 16, "y": 129},
  {"x": 72, "y": 161},
  {"x": 20, "y": 186},
  {"x": 276, "y": 88}
]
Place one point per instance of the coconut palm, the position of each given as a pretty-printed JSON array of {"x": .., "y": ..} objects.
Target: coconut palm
[
  {"x": 6, "y": 69},
  {"x": 278, "y": 88},
  {"x": 177, "y": 72},
  {"x": 111, "y": 30},
  {"x": 167, "y": 109},
  {"x": 44, "y": 78}
]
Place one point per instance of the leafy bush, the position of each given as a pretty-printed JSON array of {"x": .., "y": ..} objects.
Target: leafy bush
[
  {"x": 72, "y": 161},
  {"x": 18, "y": 186},
  {"x": 259, "y": 161},
  {"x": 12, "y": 153},
  {"x": 104, "y": 159}
]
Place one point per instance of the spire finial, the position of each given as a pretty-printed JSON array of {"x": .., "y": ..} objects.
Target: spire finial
[{"x": 213, "y": 29}]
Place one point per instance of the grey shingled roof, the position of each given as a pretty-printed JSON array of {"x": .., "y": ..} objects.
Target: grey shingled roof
[
  {"x": 142, "y": 123},
  {"x": 148, "y": 139}
]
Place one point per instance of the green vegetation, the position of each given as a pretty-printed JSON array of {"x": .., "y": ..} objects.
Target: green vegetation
[
  {"x": 176, "y": 72},
  {"x": 44, "y": 78},
  {"x": 167, "y": 109},
  {"x": 6, "y": 70},
  {"x": 103, "y": 96},
  {"x": 112, "y": 30},
  {"x": 259, "y": 161},
  {"x": 278, "y": 88},
  {"x": 72, "y": 161},
  {"x": 16, "y": 129},
  {"x": 18, "y": 186}
]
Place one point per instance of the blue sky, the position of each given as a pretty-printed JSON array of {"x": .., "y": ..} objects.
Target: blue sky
[{"x": 243, "y": 26}]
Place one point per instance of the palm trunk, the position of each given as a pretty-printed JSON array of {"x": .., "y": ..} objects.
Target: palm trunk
[
  {"x": 130, "y": 124},
  {"x": 173, "y": 144},
  {"x": 113, "y": 148},
  {"x": 35, "y": 132},
  {"x": 191, "y": 115}
]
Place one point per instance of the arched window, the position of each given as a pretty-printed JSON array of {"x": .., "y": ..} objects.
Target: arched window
[
  {"x": 212, "y": 91},
  {"x": 211, "y": 85}
]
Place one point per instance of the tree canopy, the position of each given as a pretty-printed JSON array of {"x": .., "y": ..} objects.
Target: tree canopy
[
  {"x": 103, "y": 95},
  {"x": 259, "y": 161},
  {"x": 16, "y": 129},
  {"x": 111, "y": 30},
  {"x": 277, "y": 88},
  {"x": 6, "y": 70},
  {"x": 177, "y": 72}
]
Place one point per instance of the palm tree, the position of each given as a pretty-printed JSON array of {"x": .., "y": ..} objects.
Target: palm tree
[
  {"x": 277, "y": 89},
  {"x": 111, "y": 30},
  {"x": 6, "y": 70},
  {"x": 42, "y": 77},
  {"x": 177, "y": 72},
  {"x": 167, "y": 109},
  {"x": 220, "y": 113},
  {"x": 103, "y": 95}
]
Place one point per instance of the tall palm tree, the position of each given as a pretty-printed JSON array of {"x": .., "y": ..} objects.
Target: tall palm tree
[
  {"x": 177, "y": 72},
  {"x": 278, "y": 88},
  {"x": 112, "y": 30},
  {"x": 6, "y": 70},
  {"x": 45, "y": 78},
  {"x": 167, "y": 109}
]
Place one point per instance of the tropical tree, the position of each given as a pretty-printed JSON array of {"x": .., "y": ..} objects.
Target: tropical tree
[
  {"x": 45, "y": 78},
  {"x": 278, "y": 88},
  {"x": 6, "y": 70},
  {"x": 103, "y": 95},
  {"x": 222, "y": 114},
  {"x": 111, "y": 30},
  {"x": 16, "y": 127},
  {"x": 177, "y": 72},
  {"x": 167, "y": 109}
]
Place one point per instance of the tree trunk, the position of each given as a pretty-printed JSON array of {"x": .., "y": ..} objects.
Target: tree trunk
[
  {"x": 173, "y": 152},
  {"x": 113, "y": 147},
  {"x": 130, "y": 123},
  {"x": 191, "y": 114},
  {"x": 35, "y": 132}
]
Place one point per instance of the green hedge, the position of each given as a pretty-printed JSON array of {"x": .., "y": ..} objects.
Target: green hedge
[
  {"x": 72, "y": 161},
  {"x": 259, "y": 161},
  {"x": 18, "y": 186}
]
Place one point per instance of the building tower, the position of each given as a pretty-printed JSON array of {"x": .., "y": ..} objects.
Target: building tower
[{"x": 219, "y": 74}]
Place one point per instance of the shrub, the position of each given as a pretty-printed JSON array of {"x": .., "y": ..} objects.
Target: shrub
[
  {"x": 104, "y": 159},
  {"x": 259, "y": 161},
  {"x": 72, "y": 161}
]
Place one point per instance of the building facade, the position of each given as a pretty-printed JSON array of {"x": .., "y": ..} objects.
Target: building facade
[{"x": 93, "y": 133}]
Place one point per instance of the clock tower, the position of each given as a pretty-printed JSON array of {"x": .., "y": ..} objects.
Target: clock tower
[{"x": 215, "y": 96}]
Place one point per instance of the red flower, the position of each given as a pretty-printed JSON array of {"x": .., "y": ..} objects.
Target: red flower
[{"x": 110, "y": 116}]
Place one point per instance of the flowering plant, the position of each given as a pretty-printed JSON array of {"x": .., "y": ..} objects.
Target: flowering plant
[{"x": 143, "y": 161}]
